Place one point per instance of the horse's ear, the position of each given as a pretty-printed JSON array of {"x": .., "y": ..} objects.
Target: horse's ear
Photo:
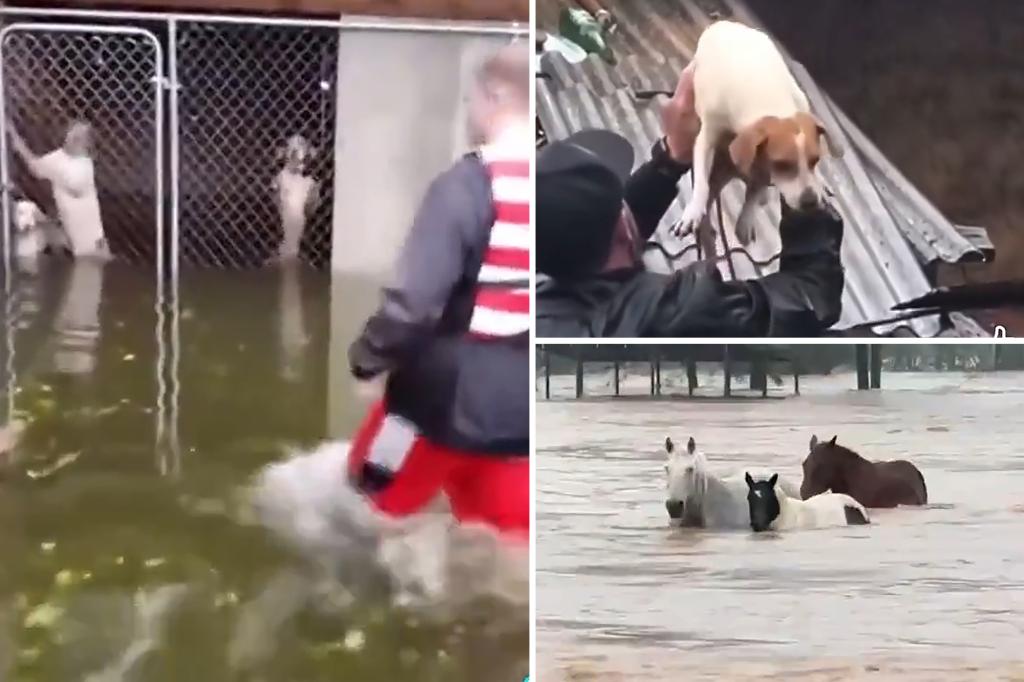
[
  {"x": 669, "y": 445},
  {"x": 691, "y": 445},
  {"x": 773, "y": 480},
  {"x": 814, "y": 441},
  {"x": 833, "y": 441},
  {"x": 750, "y": 481}
]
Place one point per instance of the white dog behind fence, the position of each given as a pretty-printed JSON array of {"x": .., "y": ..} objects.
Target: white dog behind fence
[
  {"x": 297, "y": 194},
  {"x": 34, "y": 231},
  {"x": 72, "y": 176}
]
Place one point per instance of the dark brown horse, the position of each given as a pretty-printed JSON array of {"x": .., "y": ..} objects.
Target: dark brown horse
[{"x": 830, "y": 466}]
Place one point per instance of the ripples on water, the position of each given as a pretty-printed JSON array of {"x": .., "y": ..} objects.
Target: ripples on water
[
  {"x": 148, "y": 534},
  {"x": 618, "y": 590}
]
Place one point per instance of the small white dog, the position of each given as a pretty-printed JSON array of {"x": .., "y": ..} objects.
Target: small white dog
[
  {"x": 72, "y": 175},
  {"x": 34, "y": 231},
  {"x": 30, "y": 240},
  {"x": 746, "y": 98},
  {"x": 296, "y": 193}
]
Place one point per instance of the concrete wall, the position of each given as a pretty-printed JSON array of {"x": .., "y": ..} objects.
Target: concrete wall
[{"x": 400, "y": 122}]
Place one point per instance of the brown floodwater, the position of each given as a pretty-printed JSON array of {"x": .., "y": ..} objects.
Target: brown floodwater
[{"x": 922, "y": 593}]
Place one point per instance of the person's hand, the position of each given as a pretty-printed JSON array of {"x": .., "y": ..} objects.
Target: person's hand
[
  {"x": 679, "y": 121},
  {"x": 373, "y": 388}
]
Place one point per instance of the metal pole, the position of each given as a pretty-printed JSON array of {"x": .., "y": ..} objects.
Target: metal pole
[
  {"x": 876, "y": 366},
  {"x": 727, "y": 364},
  {"x": 5, "y": 173},
  {"x": 862, "y": 367},
  {"x": 547, "y": 374},
  {"x": 657, "y": 372},
  {"x": 616, "y": 378},
  {"x": 691, "y": 375},
  {"x": 175, "y": 88},
  {"x": 579, "y": 376}
]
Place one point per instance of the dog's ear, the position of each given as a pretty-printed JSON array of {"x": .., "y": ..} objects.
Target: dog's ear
[
  {"x": 691, "y": 445},
  {"x": 773, "y": 480},
  {"x": 833, "y": 441},
  {"x": 749, "y": 479},
  {"x": 743, "y": 150},
  {"x": 812, "y": 127},
  {"x": 814, "y": 441}
]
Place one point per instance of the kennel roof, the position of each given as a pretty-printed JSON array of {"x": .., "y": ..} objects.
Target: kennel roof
[{"x": 895, "y": 237}]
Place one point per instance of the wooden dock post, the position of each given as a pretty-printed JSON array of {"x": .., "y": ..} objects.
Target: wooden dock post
[
  {"x": 862, "y": 353},
  {"x": 579, "y": 374},
  {"x": 759, "y": 376},
  {"x": 727, "y": 364},
  {"x": 876, "y": 366},
  {"x": 691, "y": 375},
  {"x": 547, "y": 374},
  {"x": 657, "y": 374},
  {"x": 616, "y": 377}
]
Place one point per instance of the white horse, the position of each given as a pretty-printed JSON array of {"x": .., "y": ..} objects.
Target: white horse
[
  {"x": 771, "y": 508},
  {"x": 696, "y": 497}
]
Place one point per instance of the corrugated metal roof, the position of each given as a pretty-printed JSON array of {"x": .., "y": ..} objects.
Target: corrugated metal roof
[{"x": 893, "y": 233}]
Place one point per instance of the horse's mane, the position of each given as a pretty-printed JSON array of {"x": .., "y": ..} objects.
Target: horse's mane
[
  {"x": 700, "y": 468},
  {"x": 837, "y": 450}
]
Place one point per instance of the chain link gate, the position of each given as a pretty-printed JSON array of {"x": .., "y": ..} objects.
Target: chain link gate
[
  {"x": 243, "y": 90},
  {"x": 112, "y": 78}
]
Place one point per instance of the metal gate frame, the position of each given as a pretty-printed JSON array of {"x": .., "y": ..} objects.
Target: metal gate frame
[{"x": 158, "y": 80}]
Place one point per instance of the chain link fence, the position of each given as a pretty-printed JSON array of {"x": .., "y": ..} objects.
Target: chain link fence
[
  {"x": 212, "y": 110},
  {"x": 54, "y": 75},
  {"x": 245, "y": 90}
]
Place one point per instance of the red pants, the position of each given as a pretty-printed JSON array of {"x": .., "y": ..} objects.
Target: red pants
[{"x": 481, "y": 488}]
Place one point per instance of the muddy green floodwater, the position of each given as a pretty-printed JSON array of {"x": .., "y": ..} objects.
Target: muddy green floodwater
[{"x": 128, "y": 551}]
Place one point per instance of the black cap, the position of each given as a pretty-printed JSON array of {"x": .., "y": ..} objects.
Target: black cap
[{"x": 581, "y": 183}]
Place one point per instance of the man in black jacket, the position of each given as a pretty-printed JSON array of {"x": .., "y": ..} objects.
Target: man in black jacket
[{"x": 593, "y": 217}]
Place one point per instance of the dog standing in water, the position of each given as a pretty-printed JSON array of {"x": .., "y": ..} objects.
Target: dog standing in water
[
  {"x": 72, "y": 176},
  {"x": 30, "y": 239},
  {"x": 296, "y": 193}
]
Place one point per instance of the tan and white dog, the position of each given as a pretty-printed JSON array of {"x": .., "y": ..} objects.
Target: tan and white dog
[
  {"x": 749, "y": 103},
  {"x": 72, "y": 175},
  {"x": 296, "y": 193}
]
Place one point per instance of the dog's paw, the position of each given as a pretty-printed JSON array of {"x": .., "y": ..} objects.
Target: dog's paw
[{"x": 691, "y": 218}]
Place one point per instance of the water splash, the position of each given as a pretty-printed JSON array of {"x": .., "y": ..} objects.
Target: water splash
[{"x": 433, "y": 566}]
